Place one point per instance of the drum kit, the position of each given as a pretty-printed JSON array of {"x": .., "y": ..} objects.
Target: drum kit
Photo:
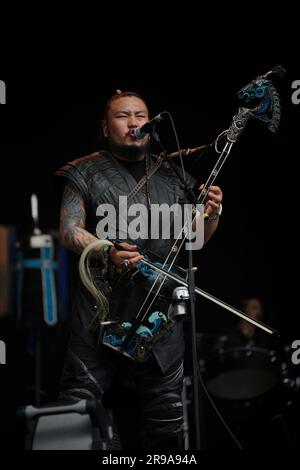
[{"x": 248, "y": 381}]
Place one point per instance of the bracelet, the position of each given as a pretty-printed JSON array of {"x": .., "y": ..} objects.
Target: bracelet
[
  {"x": 211, "y": 218},
  {"x": 105, "y": 253}
]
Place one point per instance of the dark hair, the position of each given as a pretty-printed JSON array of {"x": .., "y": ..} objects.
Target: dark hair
[
  {"x": 121, "y": 94},
  {"x": 116, "y": 96}
]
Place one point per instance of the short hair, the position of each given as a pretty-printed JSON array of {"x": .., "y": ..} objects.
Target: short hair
[
  {"x": 121, "y": 94},
  {"x": 114, "y": 97}
]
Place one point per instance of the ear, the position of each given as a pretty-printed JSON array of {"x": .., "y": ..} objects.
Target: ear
[{"x": 104, "y": 128}]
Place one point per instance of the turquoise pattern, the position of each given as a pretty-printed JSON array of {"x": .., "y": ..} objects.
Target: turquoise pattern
[{"x": 116, "y": 340}]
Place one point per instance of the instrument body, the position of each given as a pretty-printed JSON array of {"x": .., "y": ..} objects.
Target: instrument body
[
  {"x": 138, "y": 305},
  {"x": 139, "y": 314}
]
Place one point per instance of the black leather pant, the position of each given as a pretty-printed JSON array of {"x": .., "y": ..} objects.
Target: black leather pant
[{"x": 146, "y": 403}]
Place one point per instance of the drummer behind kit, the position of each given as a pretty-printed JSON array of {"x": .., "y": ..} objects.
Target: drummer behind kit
[
  {"x": 133, "y": 311},
  {"x": 132, "y": 329},
  {"x": 247, "y": 375}
]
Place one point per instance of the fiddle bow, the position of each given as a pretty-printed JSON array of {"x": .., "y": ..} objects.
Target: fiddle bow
[{"x": 131, "y": 338}]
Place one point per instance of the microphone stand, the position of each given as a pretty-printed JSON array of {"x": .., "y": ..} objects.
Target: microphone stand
[
  {"x": 192, "y": 297},
  {"x": 268, "y": 112}
]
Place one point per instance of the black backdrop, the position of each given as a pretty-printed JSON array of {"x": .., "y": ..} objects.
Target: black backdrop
[
  {"x": 257, "y": 234},
  {"x": 52, "y": 115}
]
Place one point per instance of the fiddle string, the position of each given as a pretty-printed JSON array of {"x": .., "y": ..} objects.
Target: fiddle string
[{"x": 174, "y": 249}]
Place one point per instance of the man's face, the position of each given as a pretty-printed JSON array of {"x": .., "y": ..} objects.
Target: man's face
[
  {"x": 124, "y": 115},
  {"x": 254, "y": 308}
]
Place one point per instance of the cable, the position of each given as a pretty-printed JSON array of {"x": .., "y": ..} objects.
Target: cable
[
  {"x": 238, "y": 444},
  {"x": 177, "y": 142}
]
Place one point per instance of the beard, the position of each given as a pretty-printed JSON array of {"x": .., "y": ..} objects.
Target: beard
[{"x": 130, "y": 152}]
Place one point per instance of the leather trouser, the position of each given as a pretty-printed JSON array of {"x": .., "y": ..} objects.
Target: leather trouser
[{"x": 146, "y": 402}]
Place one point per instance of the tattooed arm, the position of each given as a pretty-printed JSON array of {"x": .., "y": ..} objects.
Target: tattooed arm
[
  {"x": 74, "y": 236},
  {"x": 72, "y": 221}
]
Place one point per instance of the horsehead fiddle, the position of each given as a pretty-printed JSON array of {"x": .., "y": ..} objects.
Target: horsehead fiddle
[{"x": 132, "y": 338}]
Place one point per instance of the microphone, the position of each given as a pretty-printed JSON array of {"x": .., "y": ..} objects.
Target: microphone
[{"x": 141, "y": 132}]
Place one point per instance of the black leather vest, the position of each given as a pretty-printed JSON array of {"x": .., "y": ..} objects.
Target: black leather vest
[{"x": 101, "y": 179}]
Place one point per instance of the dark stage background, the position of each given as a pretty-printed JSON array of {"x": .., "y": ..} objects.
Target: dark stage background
[{"x": 53, "y": 114}]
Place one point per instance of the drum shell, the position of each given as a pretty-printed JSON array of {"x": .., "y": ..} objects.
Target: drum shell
[{"x": 244, "y": 380}]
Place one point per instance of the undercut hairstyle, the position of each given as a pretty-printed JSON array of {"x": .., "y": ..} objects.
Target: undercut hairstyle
[
  {"x": 121, "y": 94},
  {"x": 116, "y": 96}
]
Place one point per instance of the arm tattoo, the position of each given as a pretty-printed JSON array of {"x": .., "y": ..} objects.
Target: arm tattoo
[{"x": 72, "y": 221}]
